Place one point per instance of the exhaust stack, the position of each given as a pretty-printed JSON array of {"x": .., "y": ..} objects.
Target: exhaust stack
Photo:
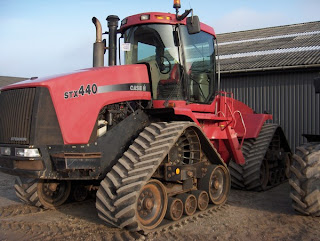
[
  {"x": 99, "y": 46},
  {"x": 112, "y": 25}
]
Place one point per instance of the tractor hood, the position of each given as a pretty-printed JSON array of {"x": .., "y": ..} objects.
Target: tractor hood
[
  {"x": 102, "y": 75},
  {"x": 78, "y": 97}
]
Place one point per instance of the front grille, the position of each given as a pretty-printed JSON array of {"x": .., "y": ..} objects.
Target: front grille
[{"x": 15, "y": 115}]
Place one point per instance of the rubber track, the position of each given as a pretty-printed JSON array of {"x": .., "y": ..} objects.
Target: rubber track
[
  {"x": 26, "y": 191},
  {"x": 118, "y": 192},
  {"x": 248, "y": 176},
  {"x": 236, "y": 171},
  {"x": 305, "y": 179}
]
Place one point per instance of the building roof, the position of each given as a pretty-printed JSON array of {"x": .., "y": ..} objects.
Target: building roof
[
  {"x": 290, "y": 46},
  {"x": 6, "y": 80}
]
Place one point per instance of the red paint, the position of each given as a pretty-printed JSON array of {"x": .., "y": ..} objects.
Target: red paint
[{"x": 221, "y": 122}]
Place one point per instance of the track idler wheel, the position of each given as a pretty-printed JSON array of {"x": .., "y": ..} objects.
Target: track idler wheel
[
  {"x": 282, "y": 174},
  {"x": 152, "y": 204},
  {"x": 216, "y": 183},
  {"x": 190, "y": 203},
  {"x": 80, "y": 193},
  {"x": 52, "y": 193},
  {"x": 264, "y": 174},
  {"x": 175, "y": 209},
  {"x": 288, "y": 162},
  {"x": 202, "y": 199}
]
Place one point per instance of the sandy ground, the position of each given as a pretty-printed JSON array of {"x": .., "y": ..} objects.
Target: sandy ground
[{"x": 246, "y": 216}]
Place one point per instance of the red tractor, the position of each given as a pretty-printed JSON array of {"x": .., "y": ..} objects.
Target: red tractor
[{"x": 153, "y": 137}]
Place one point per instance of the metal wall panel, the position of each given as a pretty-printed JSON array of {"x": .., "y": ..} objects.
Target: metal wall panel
[{"x": 289, "y": 96}]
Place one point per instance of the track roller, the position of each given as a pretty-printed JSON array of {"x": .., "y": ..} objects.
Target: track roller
[
  {"x": 175, "y": 209},
  {"x": 79, "y": 193},
  {"x": 190, "y": 203},
  {"x": 202, "y": 199}
]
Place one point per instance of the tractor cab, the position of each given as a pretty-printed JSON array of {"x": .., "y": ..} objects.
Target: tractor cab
[{"x": 181, "y": 61}]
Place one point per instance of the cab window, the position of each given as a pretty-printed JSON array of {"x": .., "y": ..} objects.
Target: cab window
[{"x": 200, "y": 65}]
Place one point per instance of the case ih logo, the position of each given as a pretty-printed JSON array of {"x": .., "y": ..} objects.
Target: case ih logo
[
  {"x": 138, "y": 87},
  {"x": 18, "y": 138},
  {"x": 124, "y": 87}
]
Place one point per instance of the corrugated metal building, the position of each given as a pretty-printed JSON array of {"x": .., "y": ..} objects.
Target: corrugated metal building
[{"x": 272, "y": 70}]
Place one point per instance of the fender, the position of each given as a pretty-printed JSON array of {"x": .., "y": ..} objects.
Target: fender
[
  {"x": 78, "y": 97},
  {"x": 198, "y": 112},
  {"x": 253, "y": 121}
]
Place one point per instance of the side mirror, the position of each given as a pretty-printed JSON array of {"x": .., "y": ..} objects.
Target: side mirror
[
  {"x": 193, "y": 25},
  {"x": 316, "y": 84}
]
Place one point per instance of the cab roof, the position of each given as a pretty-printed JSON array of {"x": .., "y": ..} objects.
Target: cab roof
[{"x": 158, "y": 17}]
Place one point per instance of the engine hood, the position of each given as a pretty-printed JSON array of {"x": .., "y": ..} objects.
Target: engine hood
[
  {"x": 119, "y": 74},
  {"x": 78, "y": 97}
]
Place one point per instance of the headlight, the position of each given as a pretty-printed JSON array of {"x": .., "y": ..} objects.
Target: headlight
[
  {"x": 22, "y": 152},
  {"x": 5, "y": 151}
]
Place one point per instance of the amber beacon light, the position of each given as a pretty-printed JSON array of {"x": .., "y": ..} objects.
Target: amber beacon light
[{"x": 176, "y": 4}]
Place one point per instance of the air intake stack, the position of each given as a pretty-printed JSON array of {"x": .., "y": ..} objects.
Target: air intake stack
[{"x": 113, "y": 21}]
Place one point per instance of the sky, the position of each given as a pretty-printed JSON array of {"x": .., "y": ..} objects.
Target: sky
[{"x": 48, "y": 37}]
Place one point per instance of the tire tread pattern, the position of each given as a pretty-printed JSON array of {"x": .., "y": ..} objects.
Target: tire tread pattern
[
  {"x": 26, "y": 191},
  {"x": 305, "y": 179}
]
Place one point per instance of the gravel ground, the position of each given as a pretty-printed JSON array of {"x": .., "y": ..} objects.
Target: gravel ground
[{"x": 246, "y": 216}]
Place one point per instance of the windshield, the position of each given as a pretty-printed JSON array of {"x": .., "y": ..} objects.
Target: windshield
[
  {"x": 175, "y": 76},
  {"x": 154, "y": 44}
]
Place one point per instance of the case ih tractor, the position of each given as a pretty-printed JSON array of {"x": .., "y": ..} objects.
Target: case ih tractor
[
  {"x": 305, "y": 173},
  {"x": 153, "y": 137}
]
